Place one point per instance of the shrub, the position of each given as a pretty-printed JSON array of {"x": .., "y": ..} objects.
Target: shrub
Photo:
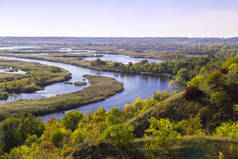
[
  {"x": 119, "y": 134},
  {"x": 71, "y": 120},
  {"x": 164, "y": 132},
  {"x": 196, "y": 81},
  {"x": 219, "y": 98},
  {"x": 98, "y": 62},
  {"x": 31, "y": 139},
  {"x": 192, "y": 93},
  {"x": 78, "y": 136},
  {"x": 193, "y": 126},
  {"x": 215, "y": 79},
  {"x": 100, "y": 112},
  {"x": 227, "y": 129},
  {"x": 114, "y": 117},
  {"x": 57, "y": 137}
]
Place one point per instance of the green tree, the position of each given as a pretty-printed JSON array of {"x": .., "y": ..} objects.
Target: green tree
[
  {"x": 193, "y": 126},
  {"x": 57, "y": 137},
  {"x": 78, "y": 136},
  {"x": 215, "y": 79},
  {"x": 118, "y": 134},
  {"x": 227, "y": 129},
  {"x": 14, "y": 131},
  {"x": 71, "y": 120},
  {"x": 219, "y": 98},
  {"x": 100, "y": 112},
  {"x": 182, "y": 75},
  {"x": 114, "y": 117},
  {"x": 164, "y": 132},
  {"x": 10, "y": 134},
  {"x": 196, "y": 81}
]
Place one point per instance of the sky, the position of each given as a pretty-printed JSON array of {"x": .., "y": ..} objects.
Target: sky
[{"x": 119, "y": 18}]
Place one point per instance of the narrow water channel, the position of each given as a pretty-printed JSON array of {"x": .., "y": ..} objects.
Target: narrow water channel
[{"x": 134, "y": 86}]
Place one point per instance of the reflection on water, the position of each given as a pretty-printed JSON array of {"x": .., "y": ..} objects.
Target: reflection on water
[
  {"x": 134, "y": 86},
  {"x": 17, "y": 47},
  {"x": 108, "y": 57},
  {"x": 121, "y": 58}
]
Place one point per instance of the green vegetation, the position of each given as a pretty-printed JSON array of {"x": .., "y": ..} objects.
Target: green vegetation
[
  {"x": 100, "y": 88},
  {"x": 169, "y": 125},
  {"x": 177, "y": 69},
  {"x": 217, "y": 104},
  {"x": 162, "y": 48},
  {"x": 199, "y": 122},
  {"x": 37, "y": 76}
]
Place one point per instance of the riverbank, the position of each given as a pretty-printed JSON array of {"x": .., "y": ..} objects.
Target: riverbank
[
  {"x": 36, "y": 77},
  {"x": 107, "y": 66},
  {"x": 100, "y": 88},
  {"x": 174, "y": 69}
]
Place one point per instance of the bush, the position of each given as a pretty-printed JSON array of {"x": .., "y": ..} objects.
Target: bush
[
  {"x": 98, "y": 62},
  {"x": 219, "y": 98},
  {"x": 119, "y": 134},
  {"x": 215, "y": 79},
  {"x": 78, "y": 136},
  {"x": 164, "y": 132},
  {"x": 193, "y": 126},
  {"x": 114, "y": 117},
  {"x": 227, "y": 129},
  {"x": 71, "y": 120},
  {"x": 192, "y": 93},
  {"x": 196, "y": 81},
  {"x": 57, "y": 137}
]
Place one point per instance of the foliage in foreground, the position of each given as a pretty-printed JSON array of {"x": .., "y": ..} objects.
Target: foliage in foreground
[{"x": 28, "y": 136}]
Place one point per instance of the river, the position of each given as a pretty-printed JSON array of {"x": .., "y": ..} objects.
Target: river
[{"x": 134, "y": 86}]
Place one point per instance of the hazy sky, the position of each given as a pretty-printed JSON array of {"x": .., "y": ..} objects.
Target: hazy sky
[{"x": 110, "y": 18}]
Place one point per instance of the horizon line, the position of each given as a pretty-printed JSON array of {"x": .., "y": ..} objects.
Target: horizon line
[{"x": 51, "y": 36}]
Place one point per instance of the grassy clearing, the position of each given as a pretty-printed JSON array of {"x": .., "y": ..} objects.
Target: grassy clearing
[{"x": 100, "y": 88}]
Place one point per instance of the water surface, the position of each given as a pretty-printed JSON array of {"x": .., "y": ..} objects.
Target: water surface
[
  {"x": 17, "y": 47},
  {"x": 121, "y": 58},
  {"x": 134, "y": 86}
]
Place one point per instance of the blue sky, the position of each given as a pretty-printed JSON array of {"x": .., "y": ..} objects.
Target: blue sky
[{"x": 119, "y": 18}]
